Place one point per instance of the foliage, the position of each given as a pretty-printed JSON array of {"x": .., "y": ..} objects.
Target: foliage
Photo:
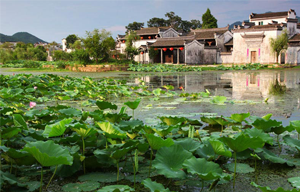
[
  {"x": 98, "y": 44},
  {"x": 153, "y": 53},
  {"x": 134, "y": 26},
  {"x": 209, "y": 21},
  {"x": 279, "y": 44},
  {"x": 71, "y": 39},
  {"x": 130, "y": 49},
  {"x": 157, "y": 22}
]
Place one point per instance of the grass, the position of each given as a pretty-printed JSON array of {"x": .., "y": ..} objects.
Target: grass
[{"x": 36, "y": 69}]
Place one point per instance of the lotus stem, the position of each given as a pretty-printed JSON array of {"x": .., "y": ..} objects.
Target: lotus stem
[
  {"x": 221, "y": 130},
  {"x": 234, "y": 169},
  {"x": 279, "y": 144},
  {"x": 133, "y": 114},
  {"x": 298, "y": 136},
  {"x": 202, "y": 185},
  {"x": 255, "y": 171},
  {"x": 118, "y": 171},
  {"x": 134, "y": 171},
  {"x": 150, "y": 162},
  {"x": 11, "y": 165},
  {"x": 41, "y": 179},
  {"x": 83, "y": 149},
  {"x": 52, "y": 176}
]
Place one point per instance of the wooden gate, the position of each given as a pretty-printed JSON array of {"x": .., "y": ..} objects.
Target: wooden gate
[
  {"x": 253, "y": 57},
  {"x": 169, "y": 56}
]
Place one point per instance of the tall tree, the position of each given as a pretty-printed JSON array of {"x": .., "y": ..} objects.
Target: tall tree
[
  {"x": 134, "y": 26},
  {"x": 173, "y": 20},
  {"x": 279, "y": 44},
  {"x": 208, "y": 20},
  {"x": 195, "y": 24},
  {"x": 71, "y": 39},
  {"x": 157, "y": 22},
  {"x": 98, "y": 44},
  {"x": 130, "y": 49}
]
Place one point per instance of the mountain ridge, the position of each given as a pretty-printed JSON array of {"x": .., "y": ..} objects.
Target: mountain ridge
[{"x": 24, "y": 37}]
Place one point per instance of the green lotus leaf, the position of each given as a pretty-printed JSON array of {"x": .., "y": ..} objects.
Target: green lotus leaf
[
  {"x": 84, "y": 131},
  {"x": 116, "y": 188},
  {"x": 103, "y": 156},
  {"x": 38, "y": 113},
  {"x": 6, "y": 177},
  {"x": 106, "y": 105},
  {"x": 154, "y": 186},
  {"x": 173, "y": 120},
  {"x": 267, "y": 117},
  {"x": 240, "y": 168},
  {"x": 133, "y": 104},
  {"x": 292, "y": 142},
  {"x": 156, "y": 92},
  {"x": 220, "y": 120},
  {"x": 271, "y": 156},
  {"x": 56, "y": 129},
  {"x": 209, "y": 120},
  {"x": 296, "y": 125},
  {"x": 241, "y": 142},
  {"x": 10, "y": 132},
  {"x": 280, "y": 129},
  {"x": 188, "y": 144},
  {"x": 265, "y": 125},
  {"x": 99, "y": 177},
  {"x": 261, "y": 134},
  {"x": 16, "y": 156},
  {"x": 68, "y": 170},
  {"x": 48, "y": 153},
  {"x": 220, "y": 100},
  {"x": 295, "y": 182},
  {"x": 113, "y": 132},
  {"x": 157, "y": 142},
  {"x": 119, "y": 153},
  {"x": 70, "y": 112},
  {"x": 206, "y": 151},
  {"x": 78, "y": 187},
  {"x": 268, "y": 189},
  {"x": 19, "y": 121},
  {"x": 239, "y": 117},
  {"x": 219, "y": 148},
  {"x": 169, "y": 160},
  {"x": 206, "y": 170},
  {"x": 162, "y": 130}
]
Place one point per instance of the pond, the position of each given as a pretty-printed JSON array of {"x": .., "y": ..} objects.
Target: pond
[{"x": 258, "y": 92}]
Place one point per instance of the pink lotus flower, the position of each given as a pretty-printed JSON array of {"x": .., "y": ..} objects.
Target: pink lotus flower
[
  {"x": 13, "y": 73},
  {"x": 35, "y": 87},
  {"x": 32, "y": 104}
]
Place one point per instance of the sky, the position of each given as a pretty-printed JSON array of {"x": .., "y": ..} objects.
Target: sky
[{"x": 53, "y": 20}]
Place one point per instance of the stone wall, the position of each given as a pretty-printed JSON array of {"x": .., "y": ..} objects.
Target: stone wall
[
  {"x": 210, "y": 56},
  {"x": 194, "y": 53},
  {"x": 97, "y": 68},
  {"x": 293, "y": 55},
  {"x": 225, "y": 58}
]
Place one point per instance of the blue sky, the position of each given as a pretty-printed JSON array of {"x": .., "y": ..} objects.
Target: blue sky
[{"x": 53, "y": 20}]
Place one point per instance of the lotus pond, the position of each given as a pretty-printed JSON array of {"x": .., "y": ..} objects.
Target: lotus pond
[{"x": 126, "y": 131}]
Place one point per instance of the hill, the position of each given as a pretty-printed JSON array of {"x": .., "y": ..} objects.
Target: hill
[{"x": 21, "y": 36}]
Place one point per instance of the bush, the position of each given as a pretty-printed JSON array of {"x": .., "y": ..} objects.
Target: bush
[{"x": 32, "y": 64}]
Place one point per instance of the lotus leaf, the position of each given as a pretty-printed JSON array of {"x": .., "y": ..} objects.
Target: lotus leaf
[
  {"x": 99, "y": 177},
  {"x": 188, "y": 144},
  {"x": 78, "y": 187},
  {"x": 48, "y": 153},
  {"x": 154, "y": 186},
  {"x": 280, "y": 129},
  {"x": 10, "y": 132},
  {"x": 240, "y": 168},
  {"x": 112, "y": 132},
  {"x": 19, "y": 121},
  {"x": 272, "y": 157},
  {"x": 265, "y": 125},
  {"x": 206, "y": 170},
  {"x": 209, "y": 120},
  {"x": 56, "y": 129},
  {"x": 242, "y": 142},
  {"x": 268, "y": 189},
  {"x": 220, "y": 100},
  {"x": 70, "y": 112},
  {"x": 157, "y": 142},
  {"x": 296, "y": 125},
  {"x": 239, "y": 117},
  {"x": 260, "y": 133},
  {"x": 169, "y": 160},
  {"x": 295, "y": 182},
  {"x": 133, "y": 104},
  {"x": 219, "y": 148},
  {"x": 116, "y": 188},
  {"x": 157, "y": 92},
  {"x": 206, "y": 151},
  {"x": 106, "y": 105},
  {"x": 173, "y": 120},
  {"x": 292, "y": 142},
  {"x": 163, "y": 130}
]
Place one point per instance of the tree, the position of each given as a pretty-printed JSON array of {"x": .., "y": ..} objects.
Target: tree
[
  {"x": 195, "y": 24},
  {"x": 77, "y": 45},
  {"x": 157, "y": 22},
  {"x": 134, "y": 26},
  {"x": 185, "y": 26},
  {"x": 173, "y": 20},
  {"x": 130, "y": 49},
  {"x": 82, "y": 56},
  {"x": 71, "y": 39},
  {"x": 208, "y": 20},
  {"x": 153, "y": 53},
  {"x": 279, "y": 44},
  {"x": 98, "y": 44}
]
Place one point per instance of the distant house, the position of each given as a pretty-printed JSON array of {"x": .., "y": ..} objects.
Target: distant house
[
  {"x": 64, "y": 46},
  {"x": 251, "y": 41}
]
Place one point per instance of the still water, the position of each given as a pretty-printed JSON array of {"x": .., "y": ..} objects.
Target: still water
[{"x": 246, "y": 91}]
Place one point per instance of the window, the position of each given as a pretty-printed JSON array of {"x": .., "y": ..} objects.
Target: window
[{"x": 260, "y": 23}]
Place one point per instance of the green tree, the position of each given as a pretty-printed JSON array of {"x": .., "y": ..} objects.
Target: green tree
[
  {"x": 134, "y": 26},
  {"x": 279, "y": 44},
  {"x": 82, "y": 56},
  {"x": 173, "y": 20},
  {"x": 77, "y": 44},
  {"x": 98, "y": 44},
  {"x": 153, "y": 53},
  {"x": 195, "y": 24},
  {"x": 157, "y": 22},
  {"x": 208, "y": 20},
  {"x": 130, "y": 49},
  {"x": 70, "y": 40}
]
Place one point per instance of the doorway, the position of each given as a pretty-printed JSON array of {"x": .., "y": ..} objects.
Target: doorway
[{"x": 253, "y": 57}]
